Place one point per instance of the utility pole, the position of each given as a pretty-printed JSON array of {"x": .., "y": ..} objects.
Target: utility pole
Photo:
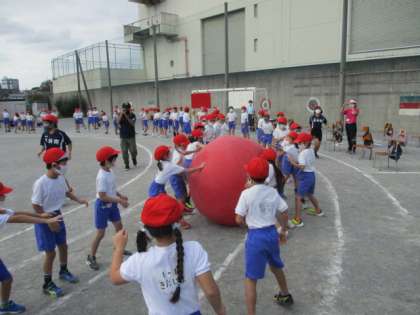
[
  {"x": 342, "y": 75},
  {"x": 83, "y": 77},
  {"x": 156, "y": 66},
  {"x": 226, "y": 55},
  {"x": 111, "y": 103},
  {"x": 79, "y": 93}
]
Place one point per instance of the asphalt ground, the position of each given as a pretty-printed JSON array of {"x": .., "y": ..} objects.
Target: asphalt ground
[{"x": 363, "y": 257}]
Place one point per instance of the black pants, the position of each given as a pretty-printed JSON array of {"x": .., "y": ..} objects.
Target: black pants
[
  {"x": 251, "y": 122},
  {"x": 351, "y": 130}
]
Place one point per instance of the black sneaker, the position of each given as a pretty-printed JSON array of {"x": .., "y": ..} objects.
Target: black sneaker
[
  {"x": 285, "y": 300},
  {"x": 316, "y": 155},
  {"x": 127, "y": 253},
  {"x": 52, "y": 290},
  {"x": 91, "y": 262},
  {"x": 135, "y": 162},
  {"x": 127, "y": 168}
]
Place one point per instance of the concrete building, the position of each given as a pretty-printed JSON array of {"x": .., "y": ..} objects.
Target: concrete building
[
  {"x": 290, "y": 47},
  {"x": 12, "y": 85}
]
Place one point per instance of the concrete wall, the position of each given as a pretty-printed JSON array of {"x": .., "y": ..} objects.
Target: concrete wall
[{"x": 377, "y": 84}]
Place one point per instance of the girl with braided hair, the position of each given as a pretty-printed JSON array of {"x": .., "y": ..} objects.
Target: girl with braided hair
[{"x": 169, "y": 271}]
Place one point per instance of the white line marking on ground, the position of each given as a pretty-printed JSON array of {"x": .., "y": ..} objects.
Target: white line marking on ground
[
  {"x": 30, "y": 228},
  {"x": 397, "y": 173},
  {"x": 335, "y": 269},
  {"x": 394, "y": 200},
  {"x": 79, "y": 237},
  {"x": 226, "y": 263}
]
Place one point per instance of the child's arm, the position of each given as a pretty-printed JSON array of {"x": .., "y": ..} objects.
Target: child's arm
[
  {"x": 120, "y": 241},
  {"x": 212, "y": 292},
  {"x": 295, "y": 163},
  {"x": 23, "y": 217},
  {"x": 240, "y": 220},
  {"x": 194, "y": 169},
  {"x": 73, "y": 197},
  {"x": 122, "y": 200}
]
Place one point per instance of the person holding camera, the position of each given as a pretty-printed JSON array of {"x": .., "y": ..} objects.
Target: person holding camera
[{"x": 127, "y": 125}]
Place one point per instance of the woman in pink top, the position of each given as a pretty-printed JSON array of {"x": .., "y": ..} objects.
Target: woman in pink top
[{"x": 350, "y": 117}]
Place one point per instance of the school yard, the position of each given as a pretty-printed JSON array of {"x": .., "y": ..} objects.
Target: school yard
[{"x": 363, "y": 257}]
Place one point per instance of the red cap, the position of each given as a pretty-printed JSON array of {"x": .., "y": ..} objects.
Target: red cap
[
  {"x": 269, "y": 154},
  {"x": 197, "y": 133},
  {"x": 104, "y": 153},
  {"x": 198, "y": 125},
  {"x": 257, "y": 168},
  {"x": 54, "y": 155},
  {"x": 204, "y": 117},
  {"x": 282, "y": 120},
  {"x": 303, "y": 138},
  {"x": 280, "y": 114},
  {"x": 243, "y": 107},
  {"x": 161, "y": 210},
  {"x": 50, "y": 118},
  {"x": 293, "y": 135},
  {"x": 4, "y": 190},
  {"x": 294, "y": 126},
  {"x": 186, "y": 109},
  {"x": 180, "y": 140},
  {"x": 161, "y": 151},
  {"x": 221, "y": 117},
  {"x": 216, "y": 112},
  {"x": 261, "y": 112},
  {"x": 205, "y": 110}
]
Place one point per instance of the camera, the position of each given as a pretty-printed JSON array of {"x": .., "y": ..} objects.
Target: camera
[{"x": 126, "y": 107}]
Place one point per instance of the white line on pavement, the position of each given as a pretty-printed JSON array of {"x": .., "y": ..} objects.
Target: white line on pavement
[
  {"x": 335, "y": 268},
  {"x": 394, "y": 200}
]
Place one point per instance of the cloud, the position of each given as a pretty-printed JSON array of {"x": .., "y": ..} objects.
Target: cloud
[{"x": 38, "y": 31}]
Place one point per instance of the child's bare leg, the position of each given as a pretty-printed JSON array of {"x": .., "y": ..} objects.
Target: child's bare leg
[
  {"x": 6, "y": 288},
  {"x": 48, "y": 262},
  {"x": 281, "y": 279},
  {"x": 298, "y": 210},
  {"x": 118, "y": 226},
  {"x": 62, "y": 254},
  {"x": 315, "y": 202},
  {"x": 96, "y": 241},
  {"x": 250, "y": 296}
]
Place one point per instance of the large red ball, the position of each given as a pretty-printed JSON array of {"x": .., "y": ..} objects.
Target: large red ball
[{"x": 216, "y": 189}]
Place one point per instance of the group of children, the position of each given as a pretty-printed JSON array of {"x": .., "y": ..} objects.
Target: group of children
[
  {"x": 95, "y": 119},
  {"x": 21, "y": 122}
]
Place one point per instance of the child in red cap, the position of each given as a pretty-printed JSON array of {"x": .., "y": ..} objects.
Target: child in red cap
[
  {"x": 258, "y": 207},
  {"x": 169, "y": 271},
  {"x": 186, "y": 118},
  {"x": 195, "y": 145},
  {"x": 48, "y": 196},
  {"x": 244, "y": 122},
  {"x": 7, "y": 306},
  {"x": 107, "y": 200},
  {"x": 305, "y": 178}
]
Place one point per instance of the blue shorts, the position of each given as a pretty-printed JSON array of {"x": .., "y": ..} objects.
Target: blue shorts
[
  {"x": 145, "y": 123},
  {"x": 231, "y": 125},
  {"x": 261, "y": 247},
  {"x": 6, "y": 121},
  {"x": 165, "y": 124},
  {"x": 104, "y": 212},
  {"x": 91, "y": 120},
  {"x": 31, "y": 123},
  {"x": 96, "y": 120},
  {"x": 187, "y": 163},
  {"x": 245, "y": 129},
  {"x": 286, "y": 167},
  {"x": 306, "y": 183},
  {"x": 266, "y": 138},
  {"x": 176, "y": 125},
  {"x": 187, "y": 128},
  {"x": 178, "y": 186},
  {"x": 106, "y": 124},
  {"x": 171, "y": 122},
  {"x": 23, "y": 122},
  {"x": 155, "y": 122},
  {"x": 47, "y": 240},
  {"x": 259, "y": 133},
  {"x": 156, "y": 189},
  {"x": 78, "y": 121},
  {"x": 160, "y": 123},
  {"x": 4, "y": 273}
]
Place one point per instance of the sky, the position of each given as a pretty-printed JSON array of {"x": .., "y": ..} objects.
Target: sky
[{"x": 32, "y": 32}]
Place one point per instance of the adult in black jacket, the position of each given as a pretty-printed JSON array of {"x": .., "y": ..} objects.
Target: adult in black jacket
[
  {"x": 315, "y": 122},
  {"x": 127, "y": 126}
]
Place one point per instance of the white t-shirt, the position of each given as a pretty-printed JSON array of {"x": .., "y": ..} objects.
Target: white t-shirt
[
  {"x": 49, "y": 193},
  {"x": 244, "y": 118},
  {"x": 186, "y": 117},
  {"x": 5, "y": 217},
  {"x": 209, "y": 133},
  {"x": 6, "y": 115},
  {"x": 105, "y": 118},
  {"x": 307, "y": 158},
  {"x": 231, "y": 116},
  {"x": 191, "y": 147},
  {"x": 175, "y": 115},
  {"x": 105, "y": 182},
  {"x": 155, "y": 272},
  {"x": 292, "y": 151},
  {"x": 259, "y": 205},
  {"x": 260, "y": 122},
  {"x": 168, "y": 170},
  {"x": 280, "y": 134},
  {"x": 29, "y": 117},
  {"x": 224, "y": 129},
  {"x": 90, "y": 113},
  {"x": 271, "y": 179},
  {"x": 176, "y": 157},
  {"x": 217, "y": 127},
  {"x": 267, "y": 127}
]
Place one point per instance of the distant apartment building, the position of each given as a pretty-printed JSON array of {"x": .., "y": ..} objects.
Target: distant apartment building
[{"x": 9, "y": 84}]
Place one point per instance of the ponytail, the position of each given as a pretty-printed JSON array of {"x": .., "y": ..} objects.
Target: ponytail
[
  {"x": 179, "y": 266},
  {"x": 278, "y": 175},
  {"x": 141, "y": 241},
  {"x": 159, "y": 165}
]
